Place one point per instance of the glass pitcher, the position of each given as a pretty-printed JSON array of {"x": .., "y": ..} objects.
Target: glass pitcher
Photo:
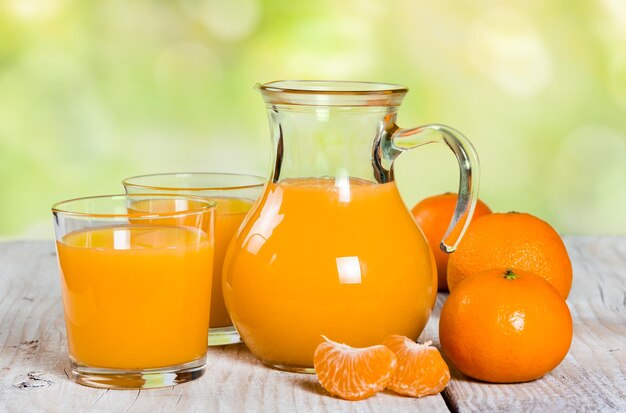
[{"x": 330, "y": 248}]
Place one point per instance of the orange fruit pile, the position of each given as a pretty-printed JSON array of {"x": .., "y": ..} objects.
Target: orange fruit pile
[
  {"x": 433, "y": 215},
  {"x": 506, "y": 319},
  {"x": 505, "y": 326},
  {"x": 400, "y": 364}
]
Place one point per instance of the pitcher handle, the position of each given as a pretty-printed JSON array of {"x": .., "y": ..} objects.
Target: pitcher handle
[{"x": 405, "y": 139}]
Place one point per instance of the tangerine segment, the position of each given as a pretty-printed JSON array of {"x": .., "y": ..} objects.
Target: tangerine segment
[
  {"x": 353, "y": 373},
  {"x": 421, "y": 369}
]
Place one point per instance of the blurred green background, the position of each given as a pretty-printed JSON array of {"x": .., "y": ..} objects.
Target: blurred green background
[{"x": 94, "y": 91}]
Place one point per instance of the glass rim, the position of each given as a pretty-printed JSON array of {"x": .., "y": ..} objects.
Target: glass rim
[
  {"x": 128, "y": 182},
  {"x": 208, "y": 205},
  {"x": 332, "y": 87}
]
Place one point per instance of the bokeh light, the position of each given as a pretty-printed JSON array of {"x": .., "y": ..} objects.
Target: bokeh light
[{"x": 505, "y": 48}]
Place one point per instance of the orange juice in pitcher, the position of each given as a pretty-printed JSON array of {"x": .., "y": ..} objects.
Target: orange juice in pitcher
[{"x": 330, "y": 248}]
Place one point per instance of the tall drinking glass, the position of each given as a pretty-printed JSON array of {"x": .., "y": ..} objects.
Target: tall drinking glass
[
  {"x": 136, "y": 291},
  {"x": 234, "y": 194}
]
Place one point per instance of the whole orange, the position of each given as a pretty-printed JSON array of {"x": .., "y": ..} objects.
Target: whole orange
[
  {"x": 512, "y": 239},
  {"x": 433, "y": 215},
  {"x": 505, "y": 326}
]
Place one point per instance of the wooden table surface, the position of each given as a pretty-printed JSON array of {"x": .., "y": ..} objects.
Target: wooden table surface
[{"x": 33, "y": 359}]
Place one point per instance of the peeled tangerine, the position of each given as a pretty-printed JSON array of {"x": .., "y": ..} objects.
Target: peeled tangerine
[
  {"x": 421, "y": 369},
  {"x": 402, "y": 365},
  {"x": 353, "y": 373}
]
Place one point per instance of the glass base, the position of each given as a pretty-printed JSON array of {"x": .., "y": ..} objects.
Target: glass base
[
  {"x": 221, "y": 336},
  {"x": 291, "y": 369},
  {"x": 136, "y": 379}
]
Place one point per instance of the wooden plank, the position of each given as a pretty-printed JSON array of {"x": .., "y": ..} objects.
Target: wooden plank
[
  {"x": 593, "y": 375},
  {"x": 33, "y": 358}
]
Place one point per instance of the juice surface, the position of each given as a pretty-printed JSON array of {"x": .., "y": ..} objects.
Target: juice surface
[
  {"x": 342, "y": 258},
  {"x": 136, "y": 297}
]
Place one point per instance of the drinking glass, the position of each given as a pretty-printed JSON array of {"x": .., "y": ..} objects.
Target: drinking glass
[
  {"x": 135, "y": 287},
  {"x": 234, "y": 194}
]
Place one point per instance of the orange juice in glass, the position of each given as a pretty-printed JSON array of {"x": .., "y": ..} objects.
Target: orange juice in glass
[
  {"x": 135, "y": 288},
  {"x": 234, "y": 194}
]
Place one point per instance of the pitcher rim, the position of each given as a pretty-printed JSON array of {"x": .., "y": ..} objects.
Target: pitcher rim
[
  {"x": 328, "y": 93},
  {"x": 332, "y": 87}
]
